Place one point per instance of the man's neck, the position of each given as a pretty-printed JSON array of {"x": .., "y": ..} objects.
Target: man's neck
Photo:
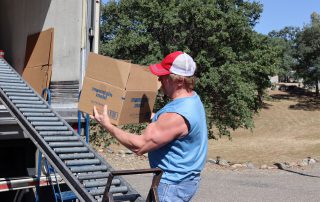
[{"x": 181, "y": 93}]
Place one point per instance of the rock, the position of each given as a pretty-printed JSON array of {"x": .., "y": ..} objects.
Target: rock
[
  {"x": 281, "y": 166},
  {"x": 264, "y": 166},
  {"x": 312, "y": 161},
  {"x": 304, "y": 162},
  {"x": 271, "y": 167},
  {"x": 249, "y": 165},
  {"x": 223, "y": 162},
  {"x": 236, "y": 165},
  {"x": 128, "y": 152},
  {"x": 212, "y": 161},
  {"x": 108, "y": 150}
]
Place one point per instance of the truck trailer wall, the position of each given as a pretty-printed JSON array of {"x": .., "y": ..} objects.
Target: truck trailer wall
[{"x": 20, "y": 18}]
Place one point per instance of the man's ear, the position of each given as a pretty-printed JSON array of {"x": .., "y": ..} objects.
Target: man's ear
[{"x": 180, "y": 81}]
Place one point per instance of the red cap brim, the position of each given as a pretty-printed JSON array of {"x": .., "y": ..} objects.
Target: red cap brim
[{"x": 157, "y": 69}]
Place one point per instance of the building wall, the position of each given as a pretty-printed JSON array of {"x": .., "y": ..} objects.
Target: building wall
[
  {"x": 274, "y": 79},
  {"x": 20, "y": 18}
]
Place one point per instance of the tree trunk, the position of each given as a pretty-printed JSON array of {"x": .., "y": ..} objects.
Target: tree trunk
[
  {"x": 260, "y": 98},
  {"x": 317, "y": 88}
]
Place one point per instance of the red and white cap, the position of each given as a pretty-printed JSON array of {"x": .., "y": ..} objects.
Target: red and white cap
[{"x": 178, "y": 62}]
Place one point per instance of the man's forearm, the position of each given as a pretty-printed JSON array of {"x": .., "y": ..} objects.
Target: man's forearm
[{"x": 127, "y": 139}]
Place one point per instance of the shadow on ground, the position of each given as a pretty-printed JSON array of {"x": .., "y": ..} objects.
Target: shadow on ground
[{"x": 307, "y": 101}]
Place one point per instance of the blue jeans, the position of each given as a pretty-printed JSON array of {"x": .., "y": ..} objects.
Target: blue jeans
[{"x": 182, "y": 192}]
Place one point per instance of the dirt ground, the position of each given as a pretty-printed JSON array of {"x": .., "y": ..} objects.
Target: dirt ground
[{"x": 287, "y": 129}]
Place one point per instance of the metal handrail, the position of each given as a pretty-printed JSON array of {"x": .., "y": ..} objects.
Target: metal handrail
[{"x": 152, "y": 194}]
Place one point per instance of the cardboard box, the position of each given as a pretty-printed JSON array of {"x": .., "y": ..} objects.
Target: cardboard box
[
  {"x": 38, "y": 77},
  {"x": 38, "y": 61},
  {"x": 128, "y": 89},
  {"x": 39, "y": 49}
]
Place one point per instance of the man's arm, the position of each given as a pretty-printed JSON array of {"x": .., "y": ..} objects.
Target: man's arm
[{"x": 168, "y": 127}]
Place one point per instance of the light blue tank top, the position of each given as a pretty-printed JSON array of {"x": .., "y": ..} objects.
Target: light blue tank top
[{"x": 183, "y": 158}]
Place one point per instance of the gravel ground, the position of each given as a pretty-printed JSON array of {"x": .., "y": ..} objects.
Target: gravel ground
[{"x": 122, "y": 159}]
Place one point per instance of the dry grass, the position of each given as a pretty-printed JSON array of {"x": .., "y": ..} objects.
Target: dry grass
[{"x": 286, "y": 130}]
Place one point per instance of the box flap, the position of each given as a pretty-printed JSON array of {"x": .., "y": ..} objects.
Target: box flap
[
  {"x": 38, "y": 77},
  {"x": 39, "y": 49},
  {"x": 109, "y": 70},
  {"x": 141, "y": 78}
]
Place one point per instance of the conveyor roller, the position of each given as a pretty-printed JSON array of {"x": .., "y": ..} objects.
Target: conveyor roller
[{"x": 81, "y": 167}]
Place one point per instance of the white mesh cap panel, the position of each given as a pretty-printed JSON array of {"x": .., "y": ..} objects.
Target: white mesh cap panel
[{"x": 183, "y": 65}]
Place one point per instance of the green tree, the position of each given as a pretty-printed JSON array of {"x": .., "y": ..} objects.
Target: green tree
[
  {"x": 309, "y": 52},
  {"x": 286, "y": 39},
  {"x": 234, "y": 62}
]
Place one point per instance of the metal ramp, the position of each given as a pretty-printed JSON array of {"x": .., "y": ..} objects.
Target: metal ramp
[{"x": 85, "y": 172}]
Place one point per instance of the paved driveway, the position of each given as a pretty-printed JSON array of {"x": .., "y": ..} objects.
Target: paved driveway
[{"x": 251, "y": 185}]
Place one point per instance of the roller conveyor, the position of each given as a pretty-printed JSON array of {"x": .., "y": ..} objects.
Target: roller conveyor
[{"x": 85, "y": 172}]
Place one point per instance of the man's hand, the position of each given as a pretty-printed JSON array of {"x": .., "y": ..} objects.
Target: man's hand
[{"x": 103, "y": 118}]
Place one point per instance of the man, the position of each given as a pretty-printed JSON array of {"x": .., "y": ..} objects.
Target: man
[{"x": 176, "y": 140}]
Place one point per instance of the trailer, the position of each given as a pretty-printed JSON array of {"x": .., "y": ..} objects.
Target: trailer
[{"x": 30, "y": 126}]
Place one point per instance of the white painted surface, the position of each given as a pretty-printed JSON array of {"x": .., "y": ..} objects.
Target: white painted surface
[{"x": 20, "y": 18}]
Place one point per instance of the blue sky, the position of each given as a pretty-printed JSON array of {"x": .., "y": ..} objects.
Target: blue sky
[{"x": 280, "y": 13}]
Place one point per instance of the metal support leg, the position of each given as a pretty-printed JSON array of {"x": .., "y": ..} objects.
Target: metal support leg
[
  {"x": 47, "y": 94},
  {"x": 87, "y": 127},
  {"x": 49, "y": 170},
  {"x": 79, "y": 122},
  {"x": 153, "y": 193},
  {"x": 38, "y": 176}
]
